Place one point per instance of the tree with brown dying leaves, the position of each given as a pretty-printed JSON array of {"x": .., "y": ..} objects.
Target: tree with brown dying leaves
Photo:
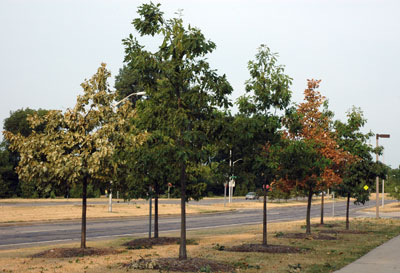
[
  {"x": 77, "y": 146},
  {"x": 314, "y": 140}
]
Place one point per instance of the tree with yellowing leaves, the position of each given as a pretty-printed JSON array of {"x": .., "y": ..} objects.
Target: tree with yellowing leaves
[{"x": 77, "y": 146}]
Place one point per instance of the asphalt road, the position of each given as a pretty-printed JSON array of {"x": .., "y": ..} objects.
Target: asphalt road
[{"x": 19, "y": 236}]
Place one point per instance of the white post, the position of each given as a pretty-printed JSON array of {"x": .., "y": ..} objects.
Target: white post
[
  {"x": 110, "y": 201},
  {"x": 333, "y": 204},
  {"x": 231, "y": 174}
]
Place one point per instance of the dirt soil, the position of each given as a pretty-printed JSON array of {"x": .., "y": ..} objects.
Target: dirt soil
[
  {"x": 265, "y": 249},
  {"x": 344, "y": 231},
  {"x": 75, "y": 252},
  {"x": 325, "y": 225},
  {"x": 313, "y": 236},
  {"x": 173, "y": 264},
  {"x": 149, "y": 242}
]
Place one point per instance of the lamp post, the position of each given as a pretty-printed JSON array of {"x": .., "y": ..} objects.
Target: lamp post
[
  {"x": 377, "y": 178},
  {"x": 232, "y": 181},
  {"x": 130, "y": 95},
  {"x": 117, "y": 103}
]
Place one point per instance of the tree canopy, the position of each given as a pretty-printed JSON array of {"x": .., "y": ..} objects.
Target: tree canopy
[
  {"x": 76, "y": 147},
  {"x": 183, "y": 93}
]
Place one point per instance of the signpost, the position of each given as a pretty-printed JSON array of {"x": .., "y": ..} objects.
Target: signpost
[
  {"x": 231, "y": 186},
  {"x": 169, "y": 188}
]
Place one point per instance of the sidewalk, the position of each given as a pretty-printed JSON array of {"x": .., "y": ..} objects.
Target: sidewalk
[{"x": 384, "y": 258}]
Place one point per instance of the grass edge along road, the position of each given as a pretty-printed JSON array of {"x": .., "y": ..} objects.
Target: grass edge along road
[{"x": 318, "y": 255}]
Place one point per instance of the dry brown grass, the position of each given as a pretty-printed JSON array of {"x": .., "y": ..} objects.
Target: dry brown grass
[
  {"x": 258, "y": 204},
  {"x": 14, "y": 214},
  {"x": 322, "y": 256},
  {"x": 63, "y": 212},
  {"x": 392, "y": 207}
]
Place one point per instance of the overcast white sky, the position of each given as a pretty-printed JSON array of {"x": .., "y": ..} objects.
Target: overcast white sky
[{"x": 48, "y": 48}]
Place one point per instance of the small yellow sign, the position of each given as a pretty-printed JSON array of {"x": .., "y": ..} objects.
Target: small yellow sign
[{"x": 365, "y": 187}]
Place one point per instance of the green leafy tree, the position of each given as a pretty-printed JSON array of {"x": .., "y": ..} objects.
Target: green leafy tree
[
  {"x": 259, "y": 119},
  {"x": 393, "y": 183},
  {"x": 300, "y": 167},
  {"x": 8, "y": 178},
  {"x": 182, "y": 93},
  {"x": 149, "y": 172},
  {"x": 11, "y": 185},
  {"x": 75, "y": 147},
  {"x": 363, "y": 171}
]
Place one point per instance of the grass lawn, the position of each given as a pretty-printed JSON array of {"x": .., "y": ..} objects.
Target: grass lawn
[{"x": 319, "y": 255}]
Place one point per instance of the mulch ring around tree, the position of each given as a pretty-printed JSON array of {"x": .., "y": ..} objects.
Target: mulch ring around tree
[
  {"x": 264, "y": 248},
  {"x": 343, "y": 231},
  {"x": 142, "y": 243},
  {"x": 325, "y": 225},
  {"x": 313, "y": 236},
  {"x": 173, "y": 264},
  {"x": 75, "y": 252}
]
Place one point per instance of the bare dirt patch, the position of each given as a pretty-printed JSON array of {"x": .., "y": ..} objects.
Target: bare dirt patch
[
  {"x": 75, "y": 252},
  {"x": 149, "y": 242},
  {"x": 325, "y": 225},
  {"x": 94, "y": 211},
  {"x": 344, "y": 231},
  {"x": 313, "y": 236},
  {"x": 264, "y": 248},
  {"x": 172, "y": 264}
]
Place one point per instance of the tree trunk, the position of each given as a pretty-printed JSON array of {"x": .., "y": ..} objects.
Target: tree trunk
[
  {"x": 322, "y": 208},
  {"x": 347, "y": 211},
  {"x": 156, "y": 211},
  {"x": 83, "y": 228},
  {"x": 265, "y": 218},
  {"x": 182, "y": 247},
  {"x": 308, "y": 223}
]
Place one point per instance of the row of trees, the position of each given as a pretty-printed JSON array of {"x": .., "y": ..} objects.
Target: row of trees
[{"x": 181, "y": 132}]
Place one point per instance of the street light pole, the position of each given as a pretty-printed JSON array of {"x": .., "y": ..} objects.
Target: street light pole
[
  {"x": 130, "y": 95},
  {"x": 377, "y": 178},
  {"x": 124, "y": 99}
]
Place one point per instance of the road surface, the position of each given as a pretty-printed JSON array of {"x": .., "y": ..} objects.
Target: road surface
[{"x": 19, "y": 236}]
